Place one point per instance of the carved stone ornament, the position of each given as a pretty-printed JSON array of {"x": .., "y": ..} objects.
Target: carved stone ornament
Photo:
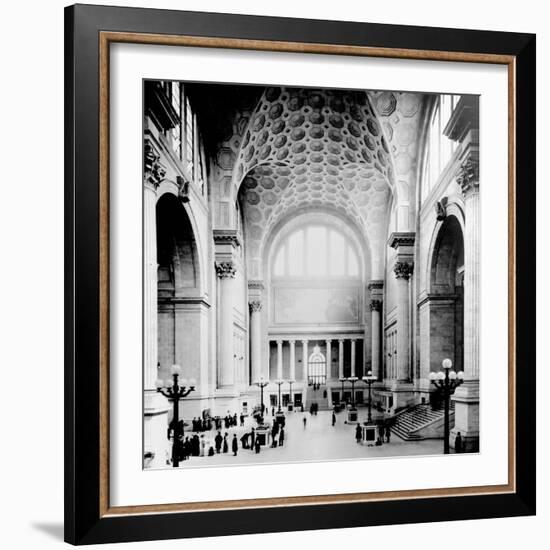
[
  {"x": 403, "y": 270},
  {"x": 376, "y": 305},
  {"x": 226, "y": 270},
  {"x": 154, "y": 170},
  {"x": 255, "y": 306},
  {"x": 183, "y": 189},
  {"x": 468, "y": 175},
  {"x": 441, "y": 209}
]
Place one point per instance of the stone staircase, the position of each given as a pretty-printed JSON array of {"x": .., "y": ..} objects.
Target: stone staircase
[
  {"x": 316, "y": 396},
  {"x": 421, "y": 422}
]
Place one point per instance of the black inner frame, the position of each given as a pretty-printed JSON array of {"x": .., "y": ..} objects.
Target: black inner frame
[{"x": 83, "y": 524}]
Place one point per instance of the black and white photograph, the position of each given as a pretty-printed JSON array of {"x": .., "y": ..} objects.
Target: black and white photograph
[{"x": 311, "y": 274}]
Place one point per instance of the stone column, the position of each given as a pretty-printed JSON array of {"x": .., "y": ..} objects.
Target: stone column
[
  {"x": 403, "y": 243},
  {"x": 466, "y": 397},
  {"x": 353, "y": 358},
  {"x": 279, "y": 359},
  {"x": 375, "y": 309},
  {"x": 304, "y": 359},
  {"x": 150, "y": 335},
  {"x": 255, "y": 340},
  {"x": 376, "y": 289},
  {"x": 292, "y": 360},
  {"x": 403, "y": 272},
  {"x": 226, "y": 374},
  {"x": 155, "y": 406},
  {"x": 226, "y": 242},
  {"x": 340, "y": 358},
  {"x": 329, "y": 358}
]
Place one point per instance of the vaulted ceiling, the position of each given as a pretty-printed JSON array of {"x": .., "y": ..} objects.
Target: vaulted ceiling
[{"x": 307, "y": 148}]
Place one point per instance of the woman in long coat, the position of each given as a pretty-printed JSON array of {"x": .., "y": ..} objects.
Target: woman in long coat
[{"x": 358, "y": 433}]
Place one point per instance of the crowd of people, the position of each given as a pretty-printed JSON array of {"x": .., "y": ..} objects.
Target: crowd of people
[
  {"x": 230, "y": 430},
  {"x": 200, "y": 442}
]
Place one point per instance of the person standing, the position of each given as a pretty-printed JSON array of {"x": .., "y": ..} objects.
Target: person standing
[
  {"x": 358, "y": 433},
  {"x": 381, "y": 433},
  {"x": 234, "y": 445},
  {"x": 333, "y": 418},
  {"x": 257, "y": 446},
  {"x": 388, "y": 433},
  {"x": 281, "y": 437},
  {"x": 242, "y": 420},
  {"x": 458, "y": 443},
  {"x": 218, "y": 442},
  {"x": 252, "y": 438},
  {"x": 304, "y": 421},
  {"x": 225, "y": 444}
]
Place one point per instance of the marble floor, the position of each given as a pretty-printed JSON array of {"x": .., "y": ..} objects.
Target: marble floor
[{"x": 317, "y": 441}]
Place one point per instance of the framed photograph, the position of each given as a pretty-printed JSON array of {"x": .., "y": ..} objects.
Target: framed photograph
[{"x": 299, "y": 274}]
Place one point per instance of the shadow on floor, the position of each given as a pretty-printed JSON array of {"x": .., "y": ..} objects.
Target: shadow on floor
[{"x": 54, "y": 530}]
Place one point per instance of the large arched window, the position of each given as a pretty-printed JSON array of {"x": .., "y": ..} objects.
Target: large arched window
[{"x": 316, "y": 251}]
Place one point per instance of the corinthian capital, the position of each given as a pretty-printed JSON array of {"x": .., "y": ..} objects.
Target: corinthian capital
[
  {"x": 226, "y": 270},
  {"x": 403, "y": 270},
  {"x": 468, "y": 175},
  {"x": 376, "y": 305},
  {"x": 255, "y": 306}
]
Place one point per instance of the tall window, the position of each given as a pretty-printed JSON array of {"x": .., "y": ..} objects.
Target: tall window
[
  {"x": 316, "y": 251},
  {"x": 440, "y": 148},
  {"x": 184, "y": 137}
]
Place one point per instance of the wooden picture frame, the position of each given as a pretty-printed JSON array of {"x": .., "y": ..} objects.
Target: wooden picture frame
[{"x": 89, "y": 32}]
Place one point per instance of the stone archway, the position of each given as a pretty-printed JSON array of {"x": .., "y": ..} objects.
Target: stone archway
[
  {"x": 442, "y": 311},
  {"x": 181, "y": 312}
]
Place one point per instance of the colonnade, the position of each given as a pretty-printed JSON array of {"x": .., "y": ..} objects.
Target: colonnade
[{"x": 305, "y": 351}]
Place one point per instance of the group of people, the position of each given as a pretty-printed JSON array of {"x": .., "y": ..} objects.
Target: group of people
[
  {"x": 206, "y": 423},
  {"x": 314, "y": 409},
  {"x": 199, "y": 445},
  {"x": 384, "y": 432}
]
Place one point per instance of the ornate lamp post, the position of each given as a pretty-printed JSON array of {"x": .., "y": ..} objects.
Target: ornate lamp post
[
  {"x": 447, "y": 382},
  {"x": 369, "y": 379},
  {"x": 352, "y": 380},
  {"x": 173, "y": 391},
  {"x": 290, "y": 382},
  {"x": 342, "y": 380},
  {"x": 261, "y": 384},
  {"x": 279, "y": 383}
]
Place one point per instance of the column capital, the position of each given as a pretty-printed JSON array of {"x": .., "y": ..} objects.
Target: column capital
[
  {"x": 153, "y": 169},
  {"x": 280, "y": 342},
  {"x": 255, "y": 306},
  {"x": 305, "y": 342},
  {"x": 341, "y": 340},
  {"x": 468, "y": 175},
  {"x": 291, "y": 342},
  {"x": 328, "y": 340},
  {"x": 226, "y": 270},
  {"x": 376, "y": 305},
  {"x": 403, "y": 270}
]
